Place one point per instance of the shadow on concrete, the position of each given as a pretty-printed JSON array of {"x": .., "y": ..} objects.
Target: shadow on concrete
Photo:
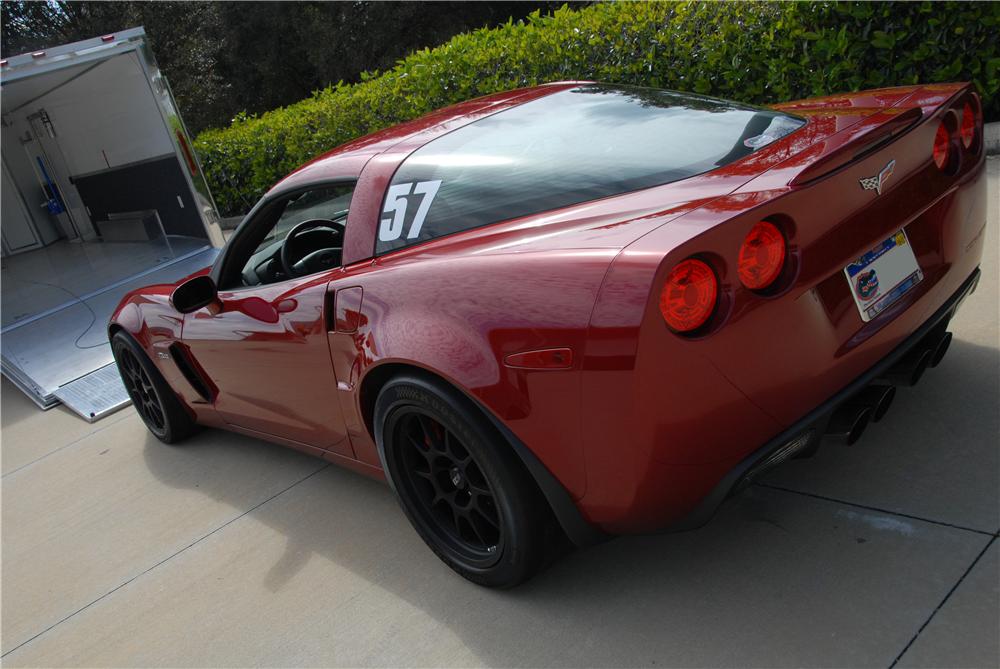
[{"x": 934, "y": 455}]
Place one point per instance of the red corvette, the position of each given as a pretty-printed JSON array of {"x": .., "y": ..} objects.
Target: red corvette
[{"x": 578, "y": 310}]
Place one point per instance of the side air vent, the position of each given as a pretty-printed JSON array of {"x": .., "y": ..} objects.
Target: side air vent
[{"x": 194, "y": 375}]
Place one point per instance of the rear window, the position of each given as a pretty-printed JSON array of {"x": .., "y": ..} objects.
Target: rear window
[{"x": 569, "y": 147}]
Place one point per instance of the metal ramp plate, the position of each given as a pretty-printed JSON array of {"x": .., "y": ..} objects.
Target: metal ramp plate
[
  {"x": 95, "y": 395},
  {"x": 46, "y": 354}
]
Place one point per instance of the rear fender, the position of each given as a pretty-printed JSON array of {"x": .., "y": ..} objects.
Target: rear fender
[
  {"x": 539, "y": 407},
  {"x": 661, "y": 421},
  {"x": 459, "y": 318}
]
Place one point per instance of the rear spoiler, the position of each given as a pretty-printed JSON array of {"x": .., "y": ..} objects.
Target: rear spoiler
[{"x": 860, "y": 140}]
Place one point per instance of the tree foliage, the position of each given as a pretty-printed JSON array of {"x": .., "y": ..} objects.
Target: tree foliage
[
  {"x": 276, "y": 53},
  {"x": 222, "y": 58},
  {"x": 755, "y": 52}
]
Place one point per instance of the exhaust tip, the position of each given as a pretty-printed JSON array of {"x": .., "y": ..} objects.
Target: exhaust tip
[
  {"x": 907, "y": 372},
  {"x": 923, "y": 362},
  {"x": 848, "y": 423},
  {"x": 883, "y": 403},
  {"x": 858, "y": 427},
  {"x": 940, "y": 349}
]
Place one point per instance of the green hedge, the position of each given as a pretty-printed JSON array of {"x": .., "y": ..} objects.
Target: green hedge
[{"x": 755, "y": 52}]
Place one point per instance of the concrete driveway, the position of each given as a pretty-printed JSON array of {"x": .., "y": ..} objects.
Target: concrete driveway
[{"x": 120, "y": 551}]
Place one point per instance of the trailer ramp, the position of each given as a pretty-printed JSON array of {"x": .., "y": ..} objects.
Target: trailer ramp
[
  {"x": 62, "y": 354},
  {"x": 95, "y": 395}
]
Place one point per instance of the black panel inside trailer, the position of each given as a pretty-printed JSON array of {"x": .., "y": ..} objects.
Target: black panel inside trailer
[{"x": 151, "y": 184}]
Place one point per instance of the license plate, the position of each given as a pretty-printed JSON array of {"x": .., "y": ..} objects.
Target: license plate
[{"x": 883, "y": 275}]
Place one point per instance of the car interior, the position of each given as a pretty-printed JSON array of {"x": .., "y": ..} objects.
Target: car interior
[{"x": 306, "y": 236}]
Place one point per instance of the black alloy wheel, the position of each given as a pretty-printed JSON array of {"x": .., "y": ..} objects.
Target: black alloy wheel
[
  {"x": 153, "y": 398},
  {"x": 466, "y": 493},
  {"x": 140, "y": 389},
  {"x": 447, "y": 483}
]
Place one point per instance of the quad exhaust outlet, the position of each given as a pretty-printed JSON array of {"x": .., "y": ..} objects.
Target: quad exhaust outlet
[{"x": 850, "y": 419}]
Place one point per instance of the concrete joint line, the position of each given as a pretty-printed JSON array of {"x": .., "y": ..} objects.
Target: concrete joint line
[
  {"x": 874, "y": 508},
  {"x": 943, "y": 601},
  {"x": 119, "y": 419}
]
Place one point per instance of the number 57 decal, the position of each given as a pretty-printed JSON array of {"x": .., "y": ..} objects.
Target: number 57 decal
[{"x": 391, "y": 229}]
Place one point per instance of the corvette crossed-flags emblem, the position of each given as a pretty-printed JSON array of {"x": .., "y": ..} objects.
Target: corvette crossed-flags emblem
[{"x": 876, "y": 182}]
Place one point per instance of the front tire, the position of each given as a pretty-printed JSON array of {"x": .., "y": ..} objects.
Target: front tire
[
  {"x": 463, "y": 490},
  {"x": 152, "y": 397}
]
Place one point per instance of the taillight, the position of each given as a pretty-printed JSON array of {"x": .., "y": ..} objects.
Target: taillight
[
  {"x": 762, "y": 256},
  {"x": 968, "y": 128},
  {"x": 942, "y": 146},
  {"x": 689, "y": 295}
]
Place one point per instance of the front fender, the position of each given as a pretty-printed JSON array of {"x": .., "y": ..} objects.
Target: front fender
[{"x": 149, "y": 318}]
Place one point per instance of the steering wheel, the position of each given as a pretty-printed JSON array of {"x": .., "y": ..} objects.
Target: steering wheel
[{"x": 314, "y": 261}]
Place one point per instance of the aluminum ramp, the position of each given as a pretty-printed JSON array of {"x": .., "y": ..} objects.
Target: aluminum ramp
[{"x": 63, "y": 354}]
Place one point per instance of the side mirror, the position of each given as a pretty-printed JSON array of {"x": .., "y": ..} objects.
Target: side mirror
[{"x": 194, "y": 294}]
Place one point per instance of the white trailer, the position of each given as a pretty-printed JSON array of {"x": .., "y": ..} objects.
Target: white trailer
[{"x": 101, "y": 193}]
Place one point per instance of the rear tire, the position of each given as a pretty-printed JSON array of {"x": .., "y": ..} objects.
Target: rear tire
[
  {"x": 462, "y": 488},
  {"x": 152, "y": 397}
]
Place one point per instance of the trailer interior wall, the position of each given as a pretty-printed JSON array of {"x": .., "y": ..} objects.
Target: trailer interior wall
[
  {"x": 25, "y": 223},
  {"x": 111, "y": 148},
  {"x": 105, "y": 116},
  {"x": 105, "y": 131}
]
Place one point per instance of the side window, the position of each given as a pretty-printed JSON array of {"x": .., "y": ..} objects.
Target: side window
[{"x": 299, "y": 235}]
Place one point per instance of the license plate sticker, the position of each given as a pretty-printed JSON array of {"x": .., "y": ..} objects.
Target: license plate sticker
[{"x": 883, "y": 275}]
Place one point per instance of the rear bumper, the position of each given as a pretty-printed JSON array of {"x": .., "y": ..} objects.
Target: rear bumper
[{"x": 807, "y": 432}]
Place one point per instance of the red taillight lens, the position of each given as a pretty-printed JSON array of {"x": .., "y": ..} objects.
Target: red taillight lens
[
  {"x": 942, "y": 146},
  {"x": 689, "y": 296},
  {"x": 968, "y": 128},
  {"x": 762, "y": 256}
]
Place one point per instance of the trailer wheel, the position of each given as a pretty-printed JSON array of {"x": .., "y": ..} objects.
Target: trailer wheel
[{"x": 152, "y": 397}]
